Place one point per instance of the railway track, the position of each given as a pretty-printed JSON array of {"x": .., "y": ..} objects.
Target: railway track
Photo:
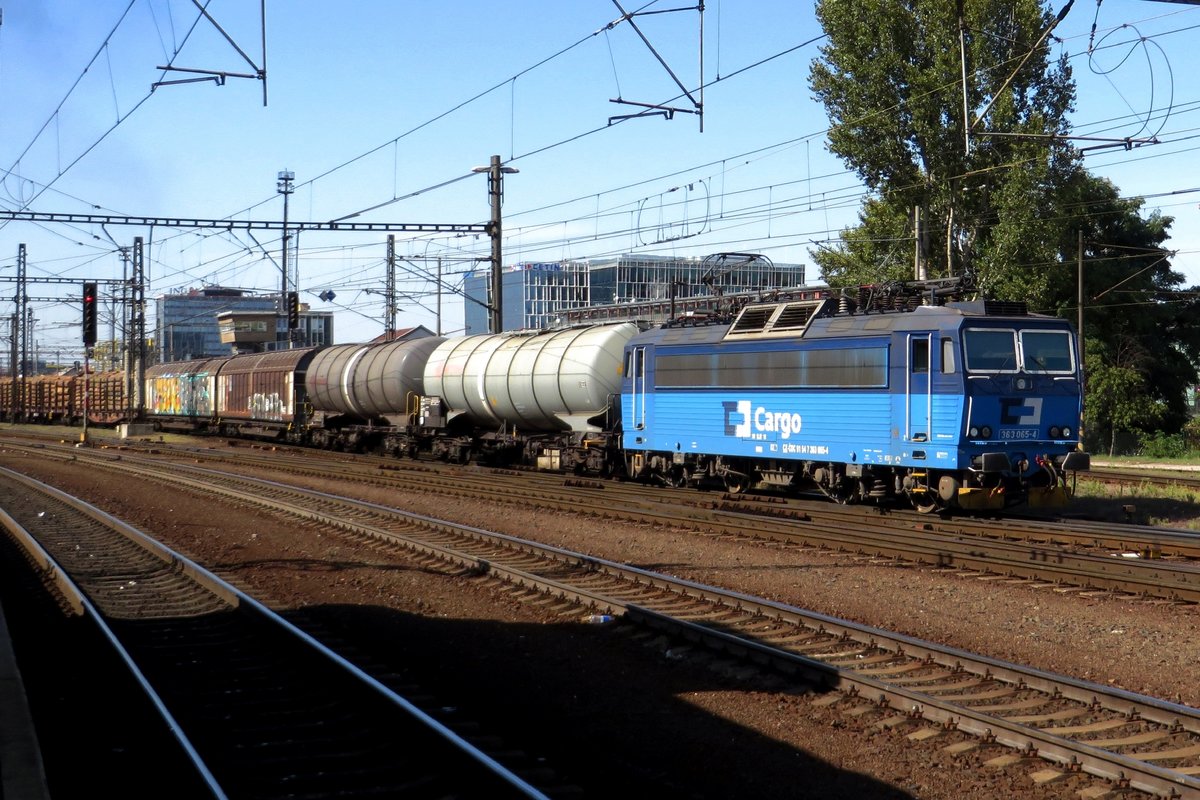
[
  {"x": 257, "y": 708},
  {"x": 1127, "y": 559},
  {"x": 1188, "y": 480},
  {"x": 914, "y": 687}
]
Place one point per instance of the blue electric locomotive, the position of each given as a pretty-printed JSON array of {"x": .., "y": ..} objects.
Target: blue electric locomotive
[{"x": 959, "y": 405}]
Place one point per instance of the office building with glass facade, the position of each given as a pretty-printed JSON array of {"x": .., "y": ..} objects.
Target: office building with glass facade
[
  {"x": 538, "y": 294},
  {"x": 186, "y": 322}
]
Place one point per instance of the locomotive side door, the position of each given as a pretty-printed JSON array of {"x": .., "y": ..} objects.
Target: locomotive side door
[
  {"x": 918, "y": 389},
  {"x": 637, "y": 374}
]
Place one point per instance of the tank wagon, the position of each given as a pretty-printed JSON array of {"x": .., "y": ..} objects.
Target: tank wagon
[
  {"x": 960, "y": 405},
  {"x": 543, "y": 398},
  {"x": 546, "y": 397},
  {"x": 366, "y": 396}
]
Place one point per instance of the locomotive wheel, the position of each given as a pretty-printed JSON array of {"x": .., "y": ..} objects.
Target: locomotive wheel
[
  {"x": 736, "y": 484},
  {"x": 676, "y": 478},
  {"x": 924, "y": 502}
]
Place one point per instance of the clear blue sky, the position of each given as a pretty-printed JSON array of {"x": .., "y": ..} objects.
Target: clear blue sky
[{"x": 376, "y": 104}]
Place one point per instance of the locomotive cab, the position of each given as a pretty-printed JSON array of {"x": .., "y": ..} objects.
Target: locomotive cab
[{"x": 1022, "y": 388}]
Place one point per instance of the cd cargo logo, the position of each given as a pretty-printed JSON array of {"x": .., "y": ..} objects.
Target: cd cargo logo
[{"x": 744, "y": 423}]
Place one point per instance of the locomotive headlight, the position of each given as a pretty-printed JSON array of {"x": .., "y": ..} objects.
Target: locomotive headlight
[
  {"x": 1067, "y": 432},
  {"x": 1022, "y": 383},
  {"x": 986, "y": 432},
  {"x": 974, "y": 433},
  {"x": 1054, "y": 432}
]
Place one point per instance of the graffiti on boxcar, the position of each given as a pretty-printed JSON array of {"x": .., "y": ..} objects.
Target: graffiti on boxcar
[
  {"x": 182, "y": 394},
  {"x": 266, "y": 406}
]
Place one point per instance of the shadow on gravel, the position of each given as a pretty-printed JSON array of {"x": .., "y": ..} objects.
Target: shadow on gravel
[
  {"x": 611, "y": 708},
  {"x": 1133, "y": 509}
]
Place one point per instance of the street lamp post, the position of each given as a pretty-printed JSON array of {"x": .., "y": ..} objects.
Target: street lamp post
[
  {"x": 284, "y": 187},
  {"x": 496, "y": 174}
]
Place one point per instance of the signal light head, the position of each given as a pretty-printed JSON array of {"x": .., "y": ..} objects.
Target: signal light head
[{"x": 89, "y": 314}]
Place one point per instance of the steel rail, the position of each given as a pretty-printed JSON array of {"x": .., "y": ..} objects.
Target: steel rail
[
  {"x": 912, "y": 539},
  {"x": 356, "y": 516},
  {"x": 83, "y": 607},
  {"x": 234, "y": 597}
]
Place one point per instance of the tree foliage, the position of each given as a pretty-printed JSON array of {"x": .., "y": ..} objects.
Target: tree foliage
[
  {"x": 1010, "y": 208},
  {"x": 1119, "y": 400},
  {"x": 891, "y": 79}
]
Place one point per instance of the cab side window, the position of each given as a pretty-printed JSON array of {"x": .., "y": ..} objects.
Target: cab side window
[
  {"x": 920, "y": 356},
  {"x": 948, "y": 367}
]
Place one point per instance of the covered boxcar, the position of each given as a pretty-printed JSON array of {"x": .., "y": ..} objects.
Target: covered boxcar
[
  {"x": 263, "y": 393},
  {"x": 183, "y": 394}
]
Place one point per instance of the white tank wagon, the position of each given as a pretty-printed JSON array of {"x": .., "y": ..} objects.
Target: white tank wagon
[
  {"x": 370, "y": 381},
  {"x": 530, "y": 382}
]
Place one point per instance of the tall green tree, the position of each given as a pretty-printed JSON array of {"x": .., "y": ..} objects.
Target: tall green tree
[
  {"x": 1134, "y": 316},
  {"x": 1003, "y": 197},
  {"x": 891, "y": 77}
]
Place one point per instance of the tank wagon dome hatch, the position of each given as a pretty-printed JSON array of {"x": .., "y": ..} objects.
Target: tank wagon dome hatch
[{"x": 554, "y": 380}]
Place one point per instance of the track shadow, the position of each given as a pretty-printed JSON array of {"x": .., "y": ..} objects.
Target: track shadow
[{"x": 611, "y": 709}]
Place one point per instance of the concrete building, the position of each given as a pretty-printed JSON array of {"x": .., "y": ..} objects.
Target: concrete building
[
  {"x": 539, "y": 294},
  {"x": 186, "y": 322}
]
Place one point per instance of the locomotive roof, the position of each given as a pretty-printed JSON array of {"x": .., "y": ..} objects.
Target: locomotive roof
[{"x": 821, "y": 319}]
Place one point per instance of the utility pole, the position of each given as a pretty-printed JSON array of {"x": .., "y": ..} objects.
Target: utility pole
[
  {"x": 390, "y": 324},
  {"x": 1079, "y": 333},
  {"x": 284, "y": 187},
  {"x": 21, "y": 343},
  {"x": 13, "y": 357},
  {"x": 122, "y": 359},
  {"x": 496, "y": 174},
  {"x": 137, "y": 326}
]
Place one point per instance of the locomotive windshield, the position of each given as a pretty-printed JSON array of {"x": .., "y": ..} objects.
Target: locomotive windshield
[
  {"x": 990, "y": 350},
  {"x": 998, "y": 350},
  {"x": 1047, "y": 351}
]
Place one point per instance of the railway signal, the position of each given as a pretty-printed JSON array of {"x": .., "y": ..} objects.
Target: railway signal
[
  {"x": 293, "y": 310},
  {"x": 90, "y": 310}
]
